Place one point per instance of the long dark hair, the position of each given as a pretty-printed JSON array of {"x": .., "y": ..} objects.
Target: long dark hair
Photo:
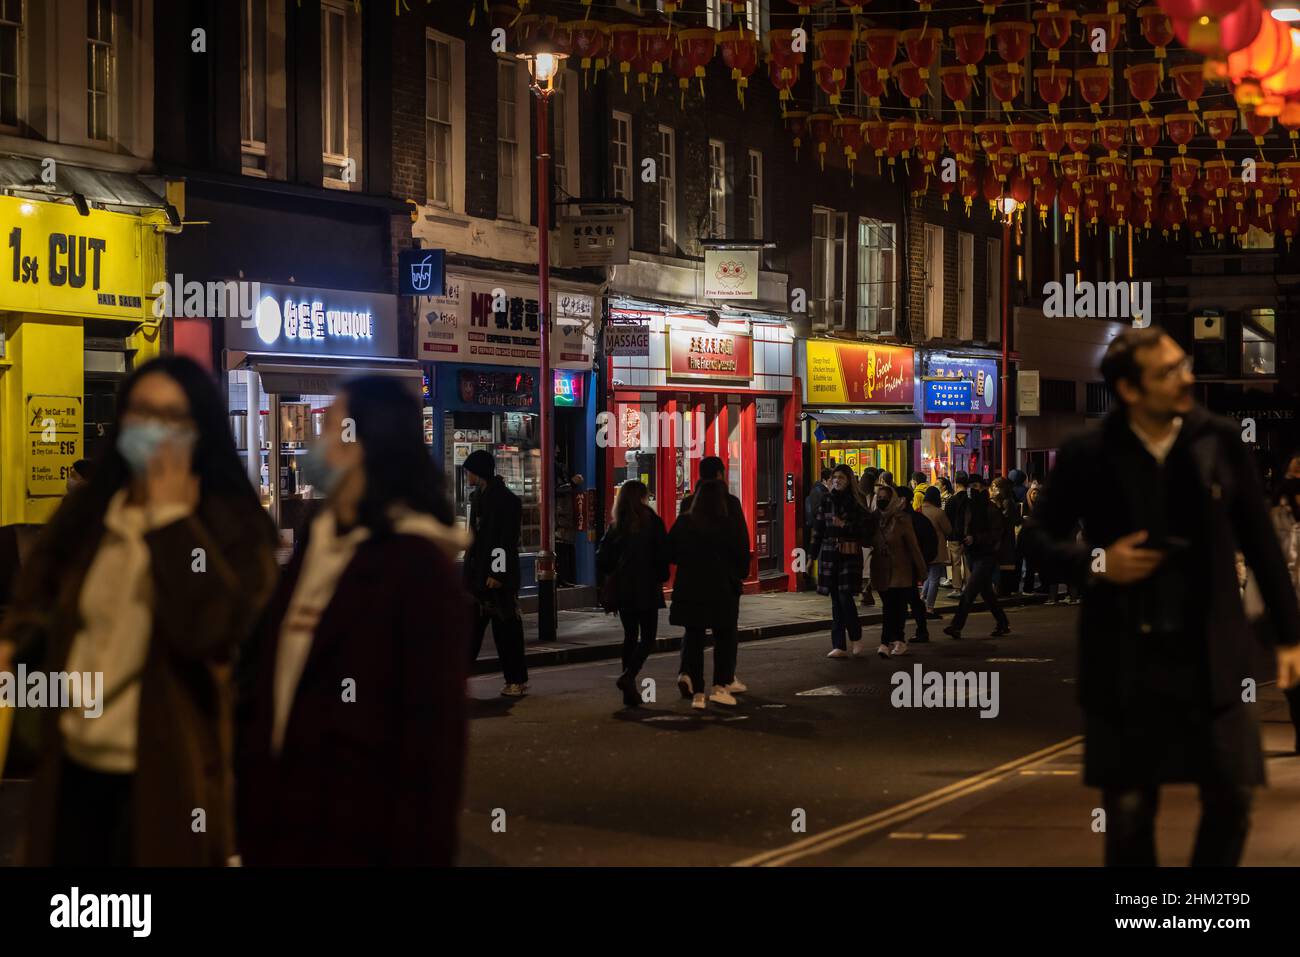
[
  {"x": 398, "y": 465},
  {"x": 709, "y": 505},
  {"x": 214, "y": 461},
  {"x": 630, "y": 507},
  {"x": 854, "y": 488}
]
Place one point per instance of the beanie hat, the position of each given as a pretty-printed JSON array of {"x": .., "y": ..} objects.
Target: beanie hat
[{"x": 480, "y": 463}]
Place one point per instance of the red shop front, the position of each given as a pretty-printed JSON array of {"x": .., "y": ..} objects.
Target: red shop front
[{"x": 725, "y": 391}]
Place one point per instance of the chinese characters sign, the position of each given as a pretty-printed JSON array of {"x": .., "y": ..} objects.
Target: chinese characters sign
[
  {"x": 709, "y": 355},
  {"x": 53, "y": 442},
  {"x": 479, "y": 321},
  {"x": 599, "y": 240},
  {"x": 850, "y": 373},
  {"x": 983, "y": 376}
]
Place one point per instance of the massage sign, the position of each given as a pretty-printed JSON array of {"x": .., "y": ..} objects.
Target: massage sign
[{"x": 709, "y": 355}]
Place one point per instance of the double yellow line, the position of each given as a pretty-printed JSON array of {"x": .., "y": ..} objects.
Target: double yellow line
[{"x": 854, "y": 830}]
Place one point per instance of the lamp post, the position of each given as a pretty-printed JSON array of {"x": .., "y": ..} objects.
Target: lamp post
[
  {"x": 1008, "y": 206},
  {"x": 543, "y": 64}
]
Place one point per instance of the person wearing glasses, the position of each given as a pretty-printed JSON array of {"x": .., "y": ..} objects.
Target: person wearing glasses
[
  {"x": 152, "y": 574},
  {"x": 1164, "y": 648}
]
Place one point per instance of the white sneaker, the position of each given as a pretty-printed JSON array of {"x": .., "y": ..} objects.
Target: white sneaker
[
  {"x": 737, "y": 687},
  {"x": 858, "y": 648},
  {"x": 514, "y": 690},
  {"x": 698, "y": 702},
  {"x": 883, "y": 650},
  {"x": 837, "y": 653},
  {"x": 898, "y": 648},
  {"x": 721, "y": 696}
]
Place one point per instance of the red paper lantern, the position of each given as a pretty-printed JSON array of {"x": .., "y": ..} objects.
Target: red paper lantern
[
  {"x": 1012, "y": 39},
  {"x": 882, "y": 47},
  {"x": 1111, "y": 134},
  {"x": 1216, "y": 174},
  {"x": 990, "y": 137},
  {"x": 1143, "y": 213},
  {"x": 970, "y": 186},
  {"x": 1053, "y": 31},
  {"x": 1183, "y": 173},
  {"x": 1171, "y": 212},
  {"x": 1220, "y": 125},
  {"x": 1074, "y": 167},
  {"x": 1078, "y": 136},
  {"x": 588, "y": 42},
  {"x": 902, "y": 138},
  {"x": 918, "y": 181},
  {"x": 969, "y": 43},
  {"x": 1285, "y": 221},
  {"x": 1190, "y": 83},
  {"x": 1112, "y": 34},
  {"x": 796, "y": 123},
  {"x": 869, "y": 82},
  {"x": 830, "y": 80},
  {"x": 992, "y": 187},
  {"x": 929, "y": 140},
  {"x": 910, "y": 83},
  {"x": 957, "y": 85},
  {"x": 1282, "y": 84},
  {"x": 1019, "y": 187},
  {"x": 1044, "y": 197},
  {"x": 1067, "y": 198},
  {"x": 922, "y": 47},
  {"x": 533, "y": 30},
  {"x": 1146, "y": 132},
  {"x": 960, "y": 140},
  {"x": 1037, "y": 167},
  {"x": 877, "y": 136},
  {"x": 1219, "y": 38},
  {"x": 1052, "y": 137},
  {"x": 1288, "y": 171},
  {"x": 1094, "y": 85},
  {"x": 1266, "y": 55},
  {"x": 1020, "y": 137},
  {"x": 624, "y": 47},
  {"x": 655, "y": 47},
  {"x": 835, "y": 48},
  {"x": 783, "y": 61},
  {"x": 1004, "y": 84},
  {"x": 1148, "y": 173},
  {"x": 1157, "y": 28},
  {"x": 821, "y": 126},
  {"x": 1181, "y": 128},
  {"x": 1194, "y": 9},
  {"x": 1053, "y": 86},
  {"x": 740, "y": 52},
  {"x": 1110, "y": 169},
  {"x": 1143, "y": 83},
  {"x": 848, "y": 133}
]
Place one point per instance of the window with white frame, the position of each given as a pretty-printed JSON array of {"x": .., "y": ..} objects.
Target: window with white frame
[
  {"x": 99, "y": 68},
  {"x": 965, "y": 286},
  {"x": 717, "y": 190},
  {"x": 757, "y": 17},
  {"x": 565, "y": 143},
  {"x": 335, "y": 79},
  {"x": 1259, "y": 342},
  {"x": 717, "y": 13},
  {"x": 754, "y": 194},
  {"x": 11, "y": 29},
  {"x": 876, "y": 278},
  {"x": 621, "y": 155},
  {"x": 933, "y": 282},
  {"x": 507, "y": 141},
  {"x": 993, "y": 291},
  {"x": 444, "y": 119},
  {"x": 252, "y": 73},
  {"x": 667, "y": 181},
  {"x": 828, "y": 266}
]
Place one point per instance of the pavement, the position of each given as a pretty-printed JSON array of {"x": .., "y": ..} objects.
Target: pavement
[
  {"x": 589, "y": 634},
  {"x": 818, "y": 766}
]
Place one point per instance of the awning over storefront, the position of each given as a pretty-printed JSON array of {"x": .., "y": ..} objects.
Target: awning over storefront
[
  {"x": 105, "y": 187},
  {"x": 857, "y": 425},
  {"x": 292, "y": 375}
]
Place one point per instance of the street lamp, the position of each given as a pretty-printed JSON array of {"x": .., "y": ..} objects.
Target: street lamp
[
  {"x": 1008, "y": 205},
  {"x": 543, "y": 64}
]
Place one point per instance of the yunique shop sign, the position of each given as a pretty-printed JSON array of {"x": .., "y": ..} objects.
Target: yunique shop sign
[
  {"x": 709, "y": 355},
  {"x": 850, "y": 373},
  {"x": 58, "y": 261},
  {"x": 480, "y": 321},
  {"x": 53, "y": 442},
  {"x": 317, "y": 322},
  {"x": 731, "y": 273}
]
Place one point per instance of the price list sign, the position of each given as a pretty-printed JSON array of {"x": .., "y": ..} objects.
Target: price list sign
[{"x": 53, "y": 442}]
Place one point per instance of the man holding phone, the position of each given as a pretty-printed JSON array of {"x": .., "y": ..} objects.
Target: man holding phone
[{"x": 1166, "y": 493}]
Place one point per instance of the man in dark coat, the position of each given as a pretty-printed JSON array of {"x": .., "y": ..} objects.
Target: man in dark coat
[
  {"x": 492, "y": 569},
  {"x": 983, "y": 527},
  {"x": 812, "y": 506},
  {"x": 1167, "y": 493},
  {"x": 955, "y": 509}
]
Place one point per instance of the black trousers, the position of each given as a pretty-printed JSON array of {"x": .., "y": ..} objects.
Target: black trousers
[
  {"x": 979, "y": 583},
  {"x": 895, "y": 602},
  {"x": 507, "y": 634},
  {"x": 917, "y": 606},
  {"x": 845, "y": 623},
  {"x": 93, "y": 823},
  {"x": 639, "y": 630},
  {"x": 724, "y": 656},
  {"x": 1220, "y": 836}
]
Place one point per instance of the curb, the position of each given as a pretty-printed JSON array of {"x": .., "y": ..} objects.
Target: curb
[{"x": 541, "y": 657}]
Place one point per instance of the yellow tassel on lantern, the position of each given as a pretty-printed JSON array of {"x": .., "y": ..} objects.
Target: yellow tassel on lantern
[{"x": 1096, "y": 108}]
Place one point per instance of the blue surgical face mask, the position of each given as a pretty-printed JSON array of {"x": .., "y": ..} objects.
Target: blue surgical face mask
[
  {"x": 138, "y": 442},
  {"x": 317, "y": 471}
]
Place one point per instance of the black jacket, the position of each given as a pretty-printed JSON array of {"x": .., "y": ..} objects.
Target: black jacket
[
  {"x": 711, "y": 567},
  {"x": 813, "y": 503},
  {"x": 983, "y": 522},
  {"x": 494, "y": 519},
  {"x": 639, "y": 559},
  {"x": 735, "y": 510},
  {"x": 957, "y": 508},
  {"x": 1011, "y": 520},
  {"x": 1099, "y": 481}
]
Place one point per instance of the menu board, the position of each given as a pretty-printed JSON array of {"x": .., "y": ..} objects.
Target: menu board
[{"x": 53, "y": 441}]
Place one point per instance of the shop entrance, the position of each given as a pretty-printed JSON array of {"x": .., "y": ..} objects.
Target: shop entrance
[
  {"x": 769, "y": 543},
  {"x": 887, "y": 454}
]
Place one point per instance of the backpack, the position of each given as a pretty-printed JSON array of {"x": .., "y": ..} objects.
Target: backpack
[{"x": 926, "y": 537}]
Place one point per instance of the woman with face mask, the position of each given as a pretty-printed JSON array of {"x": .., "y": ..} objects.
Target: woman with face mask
[
  {"x": 839, "y": 532},
  {"x": 352, "y": 739},
  {"x": 145, "y": 582}
]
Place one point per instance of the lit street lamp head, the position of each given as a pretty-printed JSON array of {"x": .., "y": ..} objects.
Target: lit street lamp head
[{"x": 543, "y": 64}]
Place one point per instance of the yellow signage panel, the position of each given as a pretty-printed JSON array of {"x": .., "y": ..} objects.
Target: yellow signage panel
[
  {"x": 825, "y": 378},
  {"x": 53, "y": 442},
  {"x": 55, "y": 260}
]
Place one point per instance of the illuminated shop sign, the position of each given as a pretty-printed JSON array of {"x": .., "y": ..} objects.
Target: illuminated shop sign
[
  {"x": 568, "y": 389},
  {"x": 324, "y": 322},
  {"x": 948, "y": 395}
]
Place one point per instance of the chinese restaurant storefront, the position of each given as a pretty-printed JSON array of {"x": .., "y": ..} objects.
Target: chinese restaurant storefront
[
  {"x": 480, "y": 341},
  {"x": 683, "y": 390},
  {"x": 958, "y": 396},
  {"x": 75, "y": 319},
  {"x": 283, "y": 370},
  {"x": 860, "y": 398}
]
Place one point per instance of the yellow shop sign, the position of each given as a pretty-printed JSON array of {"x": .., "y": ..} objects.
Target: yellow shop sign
[{"x": 55, "y": 260}]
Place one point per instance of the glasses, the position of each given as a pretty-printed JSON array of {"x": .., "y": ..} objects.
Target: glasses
[
  {"x": 1182, "y": 367},
  {"x": 172, "y": 416}
]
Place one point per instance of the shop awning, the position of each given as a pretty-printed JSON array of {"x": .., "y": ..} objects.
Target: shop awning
[
  {"x": 855, "y": 425},
  {"x": 105, "y": 187},
  {"x": 293, "y": 376}
]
